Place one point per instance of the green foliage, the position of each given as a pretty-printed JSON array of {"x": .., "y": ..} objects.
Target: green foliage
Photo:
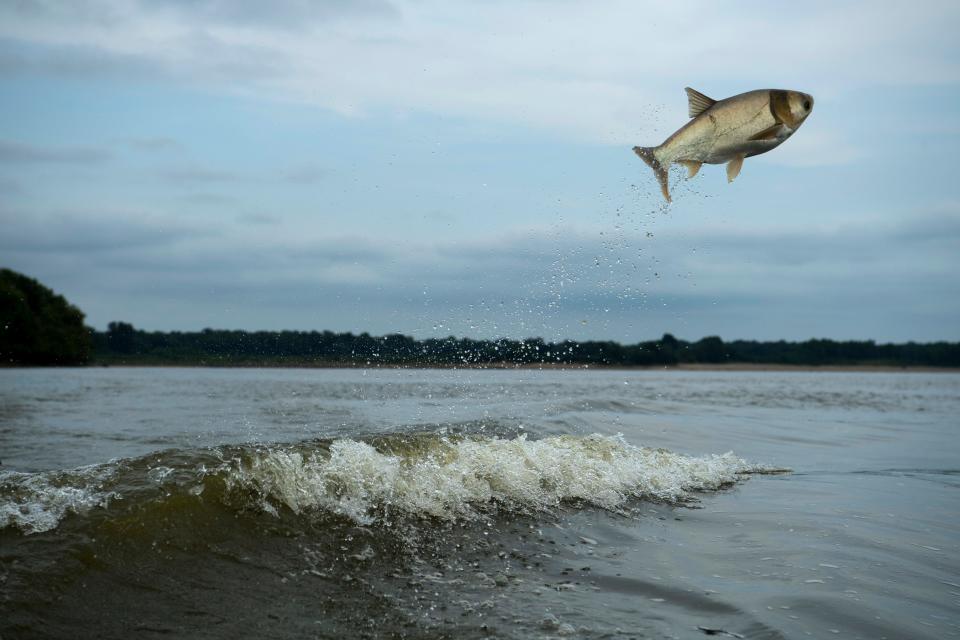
[
  {"x": 122, "y": 343},
  {"x": 37, "y": 326}
]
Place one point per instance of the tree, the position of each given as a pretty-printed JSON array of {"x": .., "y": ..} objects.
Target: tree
[
  {"x": 710, "y": 349},
  {"x": 120, "y": 336},
  {"x": 37, "y": 326}
]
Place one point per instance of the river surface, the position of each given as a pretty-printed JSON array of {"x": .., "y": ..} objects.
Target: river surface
[{"x": 396, "y": 503}]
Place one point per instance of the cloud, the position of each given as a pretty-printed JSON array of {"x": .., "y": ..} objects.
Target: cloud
[
  {"x": 304, "y": 175},
  {"x": 260, "y": 219},
  {"x": 20, "y": 57},
  {"x": 194, "y": 176},
  {"x": 206, "y": 198},
  {"x": 153, "y": 145},
  {"x": 11, "y": 187},
  {"x": 199, "y": 176},
  {"x": 852, "y": 280},
  {"x": 115, "y": 14},
  {"x": 87, "y": 237},
  {"x": 285, "y": 14},
  {"x": 18, "y": 154},
  {"x": 598, "y": 73}
]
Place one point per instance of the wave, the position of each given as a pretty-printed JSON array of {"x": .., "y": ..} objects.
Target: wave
[
  {"x": 370, "y": 481},
  {"x": 36, "y": 502}
]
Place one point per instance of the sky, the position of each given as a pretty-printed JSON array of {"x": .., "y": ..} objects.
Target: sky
[{"x": 439, "y": 168}]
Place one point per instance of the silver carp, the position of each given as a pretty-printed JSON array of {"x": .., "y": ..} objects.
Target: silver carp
[{"x": 727, "y": 131}]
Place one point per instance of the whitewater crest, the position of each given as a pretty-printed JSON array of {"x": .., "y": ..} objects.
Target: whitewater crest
[
  {"x": 431, "y": 476},
  {"x": 369, "y": 481},
  {"x": 37, "y": 502}
]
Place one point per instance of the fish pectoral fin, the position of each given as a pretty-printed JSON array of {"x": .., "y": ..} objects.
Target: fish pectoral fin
[
  {"x": 693, "y": 166},
  {"x": 770, "y": 133},
  {"x": 734, "y": 166},
  {"x": 697, "y": 102}
]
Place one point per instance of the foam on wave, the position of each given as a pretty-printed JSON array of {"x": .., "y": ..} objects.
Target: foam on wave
[
  {"x": 455, "y": 478},
  {"x": 406, "y": 476},
  {"x": 37, "y": 502}
]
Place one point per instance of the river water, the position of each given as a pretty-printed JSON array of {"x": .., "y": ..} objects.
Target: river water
[{"x": 395, "y": 503}]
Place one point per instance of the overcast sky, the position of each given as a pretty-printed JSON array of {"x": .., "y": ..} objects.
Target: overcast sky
[{"x": 436, "y": 167}]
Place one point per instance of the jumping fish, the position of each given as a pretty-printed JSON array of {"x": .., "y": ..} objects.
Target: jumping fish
[{"x": 727, "y": 131}]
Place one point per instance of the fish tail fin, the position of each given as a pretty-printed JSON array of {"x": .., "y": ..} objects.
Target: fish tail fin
[{"x": 648, "y": 155}]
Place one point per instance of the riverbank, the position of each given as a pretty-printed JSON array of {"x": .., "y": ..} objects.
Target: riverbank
[{"x": 552, "y": 366}]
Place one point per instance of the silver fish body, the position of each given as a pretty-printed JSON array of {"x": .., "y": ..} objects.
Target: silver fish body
[{"x": 727, "y": 131}]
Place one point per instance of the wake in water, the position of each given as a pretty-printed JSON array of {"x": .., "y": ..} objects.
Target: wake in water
[
  {"x": 371, "y": 481},
  {"x": 333, "y": 531}
]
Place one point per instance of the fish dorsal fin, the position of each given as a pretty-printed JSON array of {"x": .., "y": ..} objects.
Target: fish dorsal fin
[{"x": 698, "y": 102}]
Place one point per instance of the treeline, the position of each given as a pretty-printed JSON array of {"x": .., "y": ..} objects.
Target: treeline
[
  {"x": 37, "y": 326},
  {"x": 122, "y": 343}
]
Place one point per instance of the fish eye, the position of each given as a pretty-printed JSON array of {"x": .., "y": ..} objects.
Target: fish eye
[{"x": 806, "y": 105}]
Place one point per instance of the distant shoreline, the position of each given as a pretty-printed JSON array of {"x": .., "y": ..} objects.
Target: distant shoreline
[
  {"x": 744, "y": 366},
  {"x": 504, "y": 366}
]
